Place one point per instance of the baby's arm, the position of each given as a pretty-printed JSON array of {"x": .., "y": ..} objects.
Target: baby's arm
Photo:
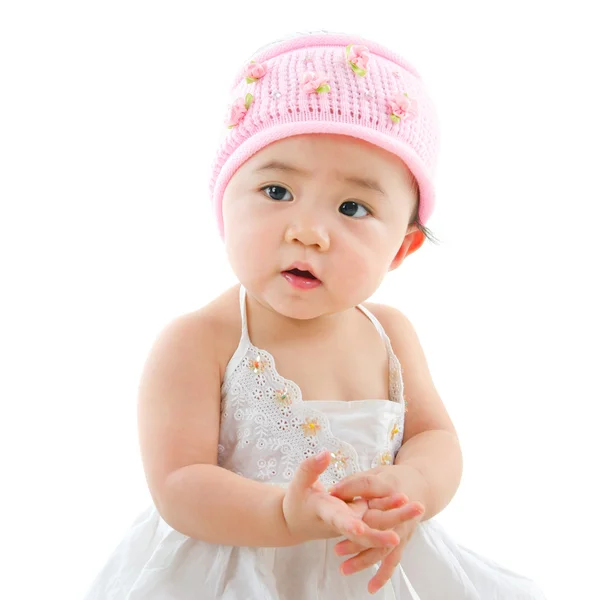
[{"x": 179, "y": 413}]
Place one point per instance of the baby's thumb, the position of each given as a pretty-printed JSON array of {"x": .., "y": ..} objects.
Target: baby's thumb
[{"x": 309, "y": 470}]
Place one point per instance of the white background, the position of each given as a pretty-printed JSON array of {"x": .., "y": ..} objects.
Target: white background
[{"x": 110, "y": 115}]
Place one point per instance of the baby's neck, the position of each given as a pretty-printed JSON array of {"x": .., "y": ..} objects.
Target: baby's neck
[{"x": 268, "y": 324}]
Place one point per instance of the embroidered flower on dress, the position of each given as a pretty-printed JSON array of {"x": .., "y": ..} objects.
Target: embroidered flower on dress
[
  {"x": 358, "y": 57},
  {"x": 386, "y": 458},
  {"x": 310, "y": 427},
  {"x": 283, "y": 425},
  {"x": 339, "y": 460},
  {"x": 313, "y": 83},
  {"x": 395, "y": 430},
  {"x": 257, "y": 365},
  {"x": 283, "y": 397},
  {"x": 239, "y": 109},
  {"x": 254, "y": 71},
  {"x": 402, "y": 107}
]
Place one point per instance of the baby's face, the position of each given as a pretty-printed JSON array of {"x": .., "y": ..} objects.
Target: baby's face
[{"x": 330, "y": 205}]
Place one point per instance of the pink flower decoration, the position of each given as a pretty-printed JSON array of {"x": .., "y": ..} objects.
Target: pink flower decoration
[
  {"x": 402, "y": 107},
  {"x": 239, "y": 109},
  {"x": 358, "y": 57},
  {"x": 312, "y": 83},
  {"x": 254, "y": 71}
]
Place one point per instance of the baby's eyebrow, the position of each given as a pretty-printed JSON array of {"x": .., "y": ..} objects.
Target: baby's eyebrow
[
  {"x": 276, "y": 165},
  {"x": 364, "y": 182}
]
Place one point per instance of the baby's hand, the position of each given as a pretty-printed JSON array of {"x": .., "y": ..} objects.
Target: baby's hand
[
  {"x": 387, "y": 509},
  {"x": 312, "y": 513}
]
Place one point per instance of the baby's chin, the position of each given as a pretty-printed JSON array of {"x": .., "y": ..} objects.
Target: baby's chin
[
  {"x": 306, "y": 307},
  {"x": 303, "y": 314},
  {"x": 300, "y": 307}
]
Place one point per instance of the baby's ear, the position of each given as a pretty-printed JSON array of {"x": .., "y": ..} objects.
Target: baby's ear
[{"x": 413, "y": 240}]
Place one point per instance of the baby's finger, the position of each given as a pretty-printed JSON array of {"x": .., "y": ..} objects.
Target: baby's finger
[
  {"x": 373, "y": 538},
  {"x": 388, "y": 519},
  {"x": 347, "y": 547},
  {"x": 309, "y": 470},
  {"x": 358, "y": 532},
  {"x": 363, "y": 485},
  {"x": 365, "y": 559},
  {"x": 385, "y": 571},
  {"x": 394, "y": 501},
  {"x": 354, "y": 528},
  {"x": 341, "y": 519}
]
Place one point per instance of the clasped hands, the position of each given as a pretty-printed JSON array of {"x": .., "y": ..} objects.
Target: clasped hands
[{"x": 367, "y": 508}]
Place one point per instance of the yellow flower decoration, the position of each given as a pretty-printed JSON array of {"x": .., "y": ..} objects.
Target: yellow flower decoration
[{"x": 311, "y": 427}]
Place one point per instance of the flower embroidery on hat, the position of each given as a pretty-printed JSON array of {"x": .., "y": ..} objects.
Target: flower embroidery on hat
[
  {"x": 358, "y": 57},
  {"x": 402, "y": 107},
  {"x": 315, "y": 83},
  {"x": 254, "y": 71},
  {"x": 239, "y": 109}
]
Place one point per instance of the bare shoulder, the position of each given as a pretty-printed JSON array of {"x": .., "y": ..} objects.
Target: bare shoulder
[
  {"x": 216, "y": 327},
  {"x": 179, "y": 393},
  {"x": 396, "y": 323},
  {"x": 401, "y": 332},
  {"x": 426, "y": 410}
]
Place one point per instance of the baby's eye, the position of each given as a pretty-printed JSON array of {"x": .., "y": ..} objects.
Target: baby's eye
[
  {"x": 354, "y": 209},
  {"x": 276, "y": 192}
]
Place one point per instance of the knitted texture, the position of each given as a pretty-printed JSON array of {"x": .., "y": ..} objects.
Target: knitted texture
[{"x": 336, "y": 84}]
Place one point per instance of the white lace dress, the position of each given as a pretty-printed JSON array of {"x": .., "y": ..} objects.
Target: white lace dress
[{"x": 266, "y": 431}]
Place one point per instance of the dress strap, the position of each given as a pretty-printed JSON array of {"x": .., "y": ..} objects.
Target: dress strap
[
  {"x": 395, "y": 369},
  {"x": 379, "y": 328},
  {"x": 375, "y": 322},
  {"x": 245, "y": 336},
  {"x": 242, "y": 348}
]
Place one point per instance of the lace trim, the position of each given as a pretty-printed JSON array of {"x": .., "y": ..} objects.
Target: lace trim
[{"x": 302, "y": 431}]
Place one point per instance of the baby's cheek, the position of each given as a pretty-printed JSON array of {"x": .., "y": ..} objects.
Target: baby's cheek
[{"x": 360, "y": 271}]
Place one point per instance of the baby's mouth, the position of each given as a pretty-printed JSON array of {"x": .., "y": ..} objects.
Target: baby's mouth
[
  {"x": 299, "y": 273},
  {"x": 301, "y": 279}
]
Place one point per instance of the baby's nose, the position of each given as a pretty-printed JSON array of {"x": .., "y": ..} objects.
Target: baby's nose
[{"x": 308, "y": 234}]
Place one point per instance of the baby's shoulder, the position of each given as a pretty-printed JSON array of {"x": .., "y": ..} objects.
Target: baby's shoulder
[
  {"x": 211, "y": 332},
  {"x": 396, "y": 325},
  {"x": 391, "y": 319}
]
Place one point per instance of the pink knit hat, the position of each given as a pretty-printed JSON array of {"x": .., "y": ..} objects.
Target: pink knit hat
[{"x": 336, "y": 84}]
